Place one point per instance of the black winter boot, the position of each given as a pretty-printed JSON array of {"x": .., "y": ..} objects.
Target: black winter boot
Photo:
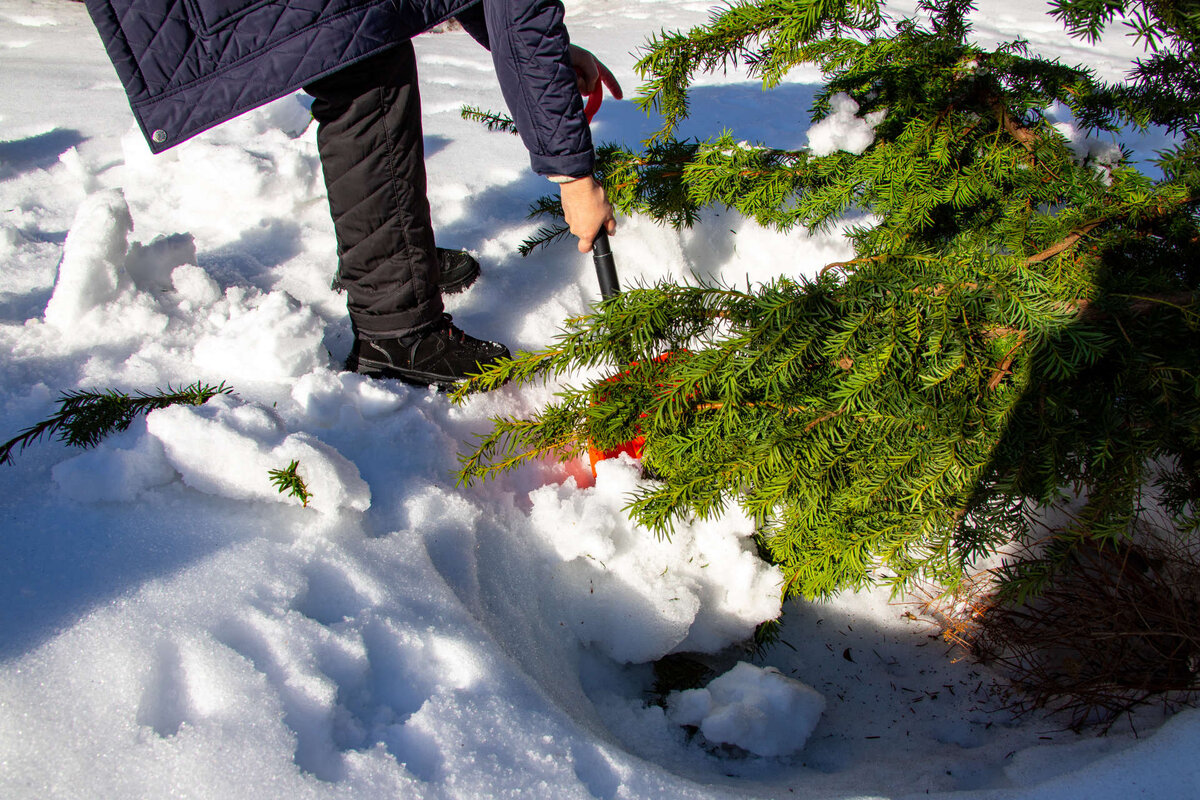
[
  {"x": 459, "y": 270},
  {"x": 442, "y": 356}
]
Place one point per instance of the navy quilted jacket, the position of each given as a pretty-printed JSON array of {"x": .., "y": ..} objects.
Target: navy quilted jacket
[{"x": 190, "y": 64}]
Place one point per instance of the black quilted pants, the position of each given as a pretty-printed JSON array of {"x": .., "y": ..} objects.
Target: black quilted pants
[{"x": 369, "y": 138}]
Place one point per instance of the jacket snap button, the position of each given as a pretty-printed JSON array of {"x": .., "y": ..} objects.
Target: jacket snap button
[{"x": 159, "y": 136}]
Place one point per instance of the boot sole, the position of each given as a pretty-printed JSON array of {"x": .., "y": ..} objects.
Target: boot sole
[
  {"x": 415, "y": 377},
  {"x": 373, "y": 369}
]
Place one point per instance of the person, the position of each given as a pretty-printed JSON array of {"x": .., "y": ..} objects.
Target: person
[{"x": 189, "y": 66}]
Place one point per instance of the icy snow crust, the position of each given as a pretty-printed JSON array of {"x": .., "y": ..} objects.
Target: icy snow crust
[{"x": 170, "y": 625}]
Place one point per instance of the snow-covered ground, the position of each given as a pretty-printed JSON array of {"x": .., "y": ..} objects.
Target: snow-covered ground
[{"x": 172, "y": 626}]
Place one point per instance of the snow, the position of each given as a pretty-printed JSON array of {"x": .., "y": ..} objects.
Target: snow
[
  {"x": 757, "y": 709},
  {"x": 842, "y": 129},
  {"x": 636, "y": 598},
  {"x": 91, "y": 271},
  {"x": 228, "y": 448},
  {"x": 171, "y": 625}
]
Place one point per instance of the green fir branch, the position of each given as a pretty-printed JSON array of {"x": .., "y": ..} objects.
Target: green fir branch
[
  {"x": 545, "y": 236},
  {"x": 767, "y": 35},
  {"x": 289, "y": 482},
  {"x": 85, "y": 418},
  {"x": 494, "y": 121}
]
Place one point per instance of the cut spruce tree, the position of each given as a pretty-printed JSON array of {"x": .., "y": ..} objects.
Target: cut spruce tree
[{"x": 1019, "y": 323}]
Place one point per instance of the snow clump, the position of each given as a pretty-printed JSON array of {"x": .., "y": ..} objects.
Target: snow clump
[
  {"x": 225, "y": 448},
  {"x": 757, "y": 709},
  {"x": 228, "y": 448},
  {"x": 114, "y": 474},
  {"x": 155, "y": 305},
  {"x": 842, "y": 130},
  {"x": 255, "y": 336},
  {"x": 94, "y": 297},
  {"x": 637, "y": 597}
]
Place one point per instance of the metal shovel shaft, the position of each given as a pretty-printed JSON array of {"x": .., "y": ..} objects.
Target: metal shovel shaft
[{"x": 606, "y": 269}]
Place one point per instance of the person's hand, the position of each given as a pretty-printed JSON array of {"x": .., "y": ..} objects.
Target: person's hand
[
  {"x": 587, "y": 210},
  {"x": 591, "y": 76},
  {"x": 585, "y": 206}
]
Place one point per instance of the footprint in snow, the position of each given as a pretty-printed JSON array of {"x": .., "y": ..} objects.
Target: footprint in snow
[
  {"x": 331, "y": 594},
  {"x": 305, "y": 692},
  {"x": 377, "y": 706},
  {"x": 166, "y": 700}
]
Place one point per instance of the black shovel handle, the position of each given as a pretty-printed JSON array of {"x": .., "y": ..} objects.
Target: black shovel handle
[{"x": 606, "y": 268}]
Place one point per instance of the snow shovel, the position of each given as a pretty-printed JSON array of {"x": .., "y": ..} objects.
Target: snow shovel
[
  {"x": 606, "y": 269},
  {"x": 606, "y": 274}
]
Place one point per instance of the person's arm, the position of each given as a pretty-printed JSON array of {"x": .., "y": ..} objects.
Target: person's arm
[
  {"x": 590, "y": 73},
  {"x": 474, "y": 23},
  {"x": 585, "y": 204},
  {"x": 529, "y": 44},
  {"x": 534, "y": 64}
]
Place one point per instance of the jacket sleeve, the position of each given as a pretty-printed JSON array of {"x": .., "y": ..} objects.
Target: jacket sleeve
[
  {"x": 529, "y": 44},
  {"x": 474, "y": 23}
]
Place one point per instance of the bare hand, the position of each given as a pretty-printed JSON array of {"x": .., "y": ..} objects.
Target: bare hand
[
  {"x": 587, "y": 210},
  {"x": 591, "y": 76},
  {"x": 585, "y": 205}
]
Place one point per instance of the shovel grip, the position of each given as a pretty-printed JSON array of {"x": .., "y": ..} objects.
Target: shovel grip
[{"x": 606, "y": 268}]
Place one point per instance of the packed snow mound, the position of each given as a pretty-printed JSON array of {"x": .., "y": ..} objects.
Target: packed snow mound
[
  {"x": 328, "y": 399},
  {"x": 842, "y": 129},
  {"x": 94, "y": 298},
  {"x": 111, "y": 473},
  {"x": 155, "y": 299},
  {"x": 637, "y": 597},
  {"x": 89, "y": 274},
  {"x": 228, "y": 448},
  {"x": 257, "y": 336},
  {"x": 757, "y": 709},
  {"x": 255, "y": 189}
]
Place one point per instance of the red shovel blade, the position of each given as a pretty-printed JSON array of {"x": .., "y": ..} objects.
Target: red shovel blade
[{"x": 633, "y": 448}]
